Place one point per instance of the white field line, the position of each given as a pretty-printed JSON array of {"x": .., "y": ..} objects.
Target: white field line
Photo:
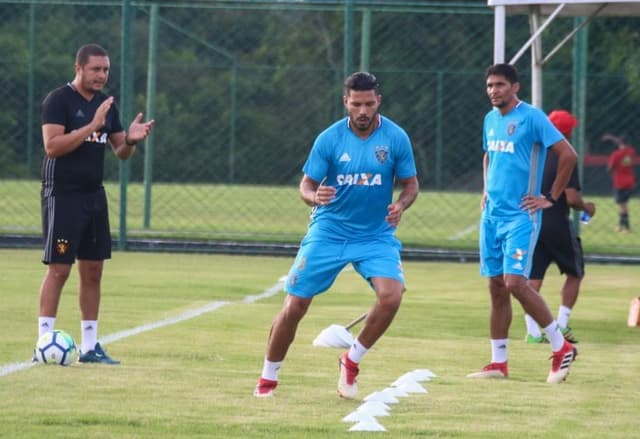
[
  {"x": 8, "y": 369},
  {"x": 462, "y": 233}
]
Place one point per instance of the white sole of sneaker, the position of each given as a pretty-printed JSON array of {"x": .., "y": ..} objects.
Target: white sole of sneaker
[
  {"x": 492, "y": 374},
  {"x": 347, "y": 395}
]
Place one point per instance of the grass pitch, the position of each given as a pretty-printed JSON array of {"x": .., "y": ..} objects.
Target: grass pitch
[{"x": 194, "y": 378}]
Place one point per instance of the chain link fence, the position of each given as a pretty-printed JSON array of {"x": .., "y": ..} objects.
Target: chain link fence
[{"x": 240, "y": 89}]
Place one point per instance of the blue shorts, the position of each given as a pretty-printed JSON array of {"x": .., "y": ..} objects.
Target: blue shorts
[
  {"x": 319, "y": 262},
  {"x": 507, "y": 244}
]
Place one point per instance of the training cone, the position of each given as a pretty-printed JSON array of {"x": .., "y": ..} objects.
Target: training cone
[
  {"x": 396, "y": 391},
  {"x": 368, "y": 426},
  {"x": 335, "y": 336},
  {"x": 384, "y": 397},
  {"x": 423, "y": 375},
  {"x": 374, "y": 408},
  {"x": 634, "y": 313},
  {"x": 406, "y": 378},
  {"x": 359, "y": 416},
  {"x": 412, "y": 387},
  {"x": 320, "y": 341}
]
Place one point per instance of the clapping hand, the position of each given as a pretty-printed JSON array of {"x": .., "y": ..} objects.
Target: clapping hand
[{"x": 139, "y": 130}]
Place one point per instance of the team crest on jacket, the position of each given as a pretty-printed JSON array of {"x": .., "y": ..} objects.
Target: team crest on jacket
[
  {"x": 382, "y": 153},
  {"x": 62, "y": 245},
  {"x": 511, "y": 128}
]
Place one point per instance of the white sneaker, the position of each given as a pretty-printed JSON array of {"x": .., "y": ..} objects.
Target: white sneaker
[{"x": 347, "y": 384}]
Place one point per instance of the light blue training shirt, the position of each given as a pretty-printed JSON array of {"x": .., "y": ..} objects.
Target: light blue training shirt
[
  {"x": 363, "y": 173},
  {"x": 517, "y": 146}
]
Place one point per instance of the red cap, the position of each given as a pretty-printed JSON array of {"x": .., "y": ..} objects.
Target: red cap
[{"x": 564, "y": 121}]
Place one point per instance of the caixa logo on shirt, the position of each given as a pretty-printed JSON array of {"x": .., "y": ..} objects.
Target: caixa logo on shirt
[
  {"x": 97, "y": 137},
  {"x": 360, "y": 179},
  {"x": 500, "y": 146}
]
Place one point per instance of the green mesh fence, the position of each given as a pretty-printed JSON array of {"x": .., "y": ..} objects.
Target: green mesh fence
[{"x": 240, "y": 89}]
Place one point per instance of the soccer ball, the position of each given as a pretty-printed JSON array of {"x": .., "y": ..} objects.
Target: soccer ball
[{"x": 56, "y": 347}]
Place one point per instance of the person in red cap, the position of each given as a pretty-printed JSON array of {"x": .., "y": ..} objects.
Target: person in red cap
[
  {"x": 558, "y": 241},
  {"x": 620, "y": 166}
]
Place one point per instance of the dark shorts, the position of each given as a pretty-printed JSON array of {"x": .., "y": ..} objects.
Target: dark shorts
[
  {"x": 622, "y": 195},
  {"x": 75, "y": 225},
  {"x": 558, "y": 243}
]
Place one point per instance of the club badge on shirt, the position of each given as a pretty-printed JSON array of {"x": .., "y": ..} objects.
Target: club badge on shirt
[{"x": 382, "y": 153}]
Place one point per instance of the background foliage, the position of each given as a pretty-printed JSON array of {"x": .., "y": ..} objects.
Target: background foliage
[{"x": 243, "y": 88}]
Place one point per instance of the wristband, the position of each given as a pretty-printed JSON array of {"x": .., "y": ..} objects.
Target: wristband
[
  {"x": 127, "y": 142},
  {"x": 549, "y": 198}
]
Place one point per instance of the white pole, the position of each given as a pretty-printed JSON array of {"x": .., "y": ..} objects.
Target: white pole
[
  {"x": 536, "y": 57},
  {"x": 499, "y": 26}
]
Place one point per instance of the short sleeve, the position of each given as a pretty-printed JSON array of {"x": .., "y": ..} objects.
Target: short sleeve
[
  {"x": 53, "y": 109},
  {"x": 317, "y": 163}
]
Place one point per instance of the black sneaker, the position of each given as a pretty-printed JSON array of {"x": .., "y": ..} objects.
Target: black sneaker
[{"x": 97, "y": 355}]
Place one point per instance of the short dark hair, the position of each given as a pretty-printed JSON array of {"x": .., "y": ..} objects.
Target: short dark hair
[
  {"x": 507, "y": 70},
  {"x": 83, "y": 53},
  {"x": 361, "y": 81}
]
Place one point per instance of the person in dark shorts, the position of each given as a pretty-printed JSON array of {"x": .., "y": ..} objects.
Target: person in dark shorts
[
  {"x": 558, "y": 241},
  {"x": 78, "y": 121}
]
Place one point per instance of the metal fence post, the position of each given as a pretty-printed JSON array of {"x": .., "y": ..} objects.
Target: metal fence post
[
  {"x": 126, "y": 85},
  {"x": 579, "y": 92},
  {"x": 348, "y": 37},
  {"x": 150, "y": 112},
  {"x": 30, "y": 87},
  {"x": 365, "y": 41}
]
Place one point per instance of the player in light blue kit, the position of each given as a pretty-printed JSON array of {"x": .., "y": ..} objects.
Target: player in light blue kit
[
  {"x": 348, "y": 179},
  {"x": 515, "y": 140}
]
